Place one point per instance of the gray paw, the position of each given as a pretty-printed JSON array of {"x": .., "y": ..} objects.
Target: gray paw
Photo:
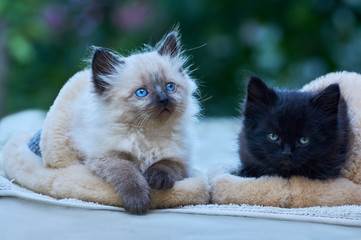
[
  {"x": 137, "y": 201},
  {"x": 158, "y": 179}
]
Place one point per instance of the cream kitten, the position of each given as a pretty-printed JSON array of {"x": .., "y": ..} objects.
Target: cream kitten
[{"x": 131, "y": 125}]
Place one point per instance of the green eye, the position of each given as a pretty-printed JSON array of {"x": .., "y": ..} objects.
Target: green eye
[
  {"x": 273, "y": 137},
  {"x": 304, "y": 140}
]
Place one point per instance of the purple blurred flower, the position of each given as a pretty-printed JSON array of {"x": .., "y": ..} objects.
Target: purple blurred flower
[
  {"x": 94, "y": 12},
  {"x": 86, "y": 22},
  {"x": 79, "y": 3},
  {"x": 55, "y": 16},
  {"x": 131, "y": 16}
]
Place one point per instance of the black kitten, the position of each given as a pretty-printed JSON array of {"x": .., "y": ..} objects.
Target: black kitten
[{"x": 287, "y": 133}]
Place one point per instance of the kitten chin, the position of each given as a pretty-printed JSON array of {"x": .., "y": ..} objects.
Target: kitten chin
[
  {"x": 293, "y": 133},
  {"x": 132, "y": 121}
]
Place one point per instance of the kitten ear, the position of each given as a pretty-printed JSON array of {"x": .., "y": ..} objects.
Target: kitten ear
[
  {"x": 169, "y": 45},
  {"x": 104, "y": 63},
  {"x": 258, "y": 92},
  {"x": 328, "y": 99}
]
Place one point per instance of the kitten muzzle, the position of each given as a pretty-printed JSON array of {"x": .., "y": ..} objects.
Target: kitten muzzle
[
  {"x": 164, "y": 114},
  {"x": 286, "y": 157},
  {"x": 164, "y": 101},
  {"x": 286, "y": 163},
  {"x": 286, "y": 151},
  {"x": 165, "y": 106}
]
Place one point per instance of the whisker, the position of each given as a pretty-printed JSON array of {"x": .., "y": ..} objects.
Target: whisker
[{"x": 204, "y": 98}]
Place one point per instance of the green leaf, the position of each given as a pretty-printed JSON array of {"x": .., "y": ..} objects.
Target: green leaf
[
  {"x": 20, "y": 49},
  {"x": 3, "y": 4}
]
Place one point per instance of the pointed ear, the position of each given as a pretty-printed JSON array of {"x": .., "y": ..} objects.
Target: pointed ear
[
  {"x": 170, "y": 45},
  {"x": 328, "y": 99},
  {"x": 104, "y": 63},
  {"x": 259, "y": 93}
]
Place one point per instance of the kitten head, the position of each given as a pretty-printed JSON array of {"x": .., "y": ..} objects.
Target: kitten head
[
  {"x": 289, "y": 133},
  {"x": 148, "y": 88}
]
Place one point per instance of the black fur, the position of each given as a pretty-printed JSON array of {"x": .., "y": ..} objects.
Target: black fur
[{"x": 319, "y": 116}]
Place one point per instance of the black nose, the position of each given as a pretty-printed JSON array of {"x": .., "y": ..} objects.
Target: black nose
[
  {"x": 286, "y": 155},
  {"x": 164, "y": 101},
  {"x": 286, "y": 152}
]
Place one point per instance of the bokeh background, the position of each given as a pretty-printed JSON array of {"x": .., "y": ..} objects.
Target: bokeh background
[{"x": 285, "y": 42}]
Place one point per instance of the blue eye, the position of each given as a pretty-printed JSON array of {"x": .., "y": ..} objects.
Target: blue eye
[
  {"x": 170, "y": 87},
  {"x": 273, "y": 137},
  {"x": 141, "y": 92},
  {"x": 304, "y": 140}
]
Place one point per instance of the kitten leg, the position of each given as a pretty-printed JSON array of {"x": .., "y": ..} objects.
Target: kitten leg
[
  {"x": 163, "y": 174},
  {"x": 127, "y": 180},
  {"x": 259, "y": 171},
  {"x": 246, "y": 171}
]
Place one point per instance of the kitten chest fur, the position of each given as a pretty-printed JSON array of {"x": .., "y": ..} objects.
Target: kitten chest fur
[{"x": 94, "y": 132}]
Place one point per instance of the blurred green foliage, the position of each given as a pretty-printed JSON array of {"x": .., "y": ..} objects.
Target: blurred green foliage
[{"x": 285, "y": 42}]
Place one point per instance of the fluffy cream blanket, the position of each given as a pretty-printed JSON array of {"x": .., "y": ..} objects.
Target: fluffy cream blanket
[{"x": 299, "y": 192}]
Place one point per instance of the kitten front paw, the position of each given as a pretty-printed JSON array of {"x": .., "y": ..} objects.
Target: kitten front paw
[
  {"x": 247, "y": 172},
  {"x": 137, "y": 202},
  {"x": 158, "y": 179},
  {"x": 242, "y": 172}
]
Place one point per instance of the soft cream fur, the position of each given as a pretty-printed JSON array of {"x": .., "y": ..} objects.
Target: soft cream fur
[{"x": 300, "y": 191}]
